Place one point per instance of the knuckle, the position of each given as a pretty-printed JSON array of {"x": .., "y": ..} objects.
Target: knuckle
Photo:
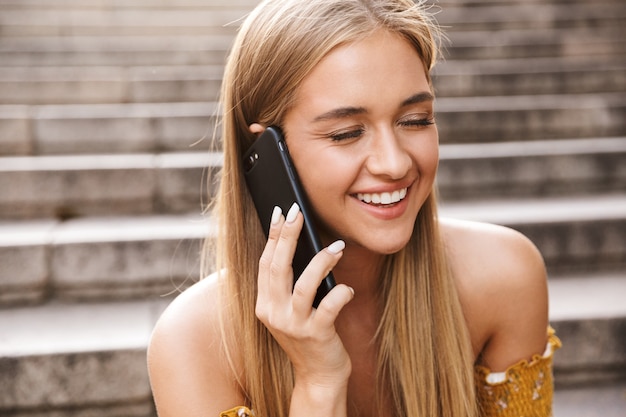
[
  {"x": 297, "y": 331},
  {"x": 327, "y": 308},
  {"x": 299, "y": 289},
  {"x": 277, "y": 324},
  {"x": 261, "y": 313},
  {"x": 334, "y": 302},
  {"x": 275, "y": 268},
  {"x": 265, "y": 261},
  {"x": 285, "y": 236},
  {"x": 274, "y": 231}
]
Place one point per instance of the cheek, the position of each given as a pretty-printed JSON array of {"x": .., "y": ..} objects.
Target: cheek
[
  {"x": 326, "y": 178},
  {"x": 434, "y": 160},
  {"x": 323, "y": 174},
  {"x": 427, "y": 157}
]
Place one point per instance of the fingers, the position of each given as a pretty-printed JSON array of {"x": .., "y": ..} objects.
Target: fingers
[
  {"x": 266, "y": 257},
  {"x": 305, "y": 288},
  {"x": 281, "y": 271},
  {"x": 276, "y": 280},
  {"x": 275, "y": 271},
  {"x": 333, "y": 303}
]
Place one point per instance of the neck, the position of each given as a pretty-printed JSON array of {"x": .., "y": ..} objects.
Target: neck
[{"x": 360, "y": 269}]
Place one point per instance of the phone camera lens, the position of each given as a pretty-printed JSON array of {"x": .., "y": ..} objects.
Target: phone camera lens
[{"x": 251, "y": 160}]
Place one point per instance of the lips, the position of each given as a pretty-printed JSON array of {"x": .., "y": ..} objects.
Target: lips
[{"x": 385, "y": 198}]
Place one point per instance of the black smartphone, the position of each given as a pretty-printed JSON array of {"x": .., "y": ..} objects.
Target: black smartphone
[{"x": 272, "y": 181}]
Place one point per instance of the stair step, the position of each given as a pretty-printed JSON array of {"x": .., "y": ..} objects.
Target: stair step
[
  {"x": 121, "y": 257},
  {"x": 529, "y": 15},
  {"x": 78, "y": 185},
  {"x": 184, "y": 49},
  {"x": 475, "y": 3},
  {"x": 203, "y": 4},
  {"x": 524, "y": 43},
  {"x": 602, "y": 400},
  {"x": 120, "y": 22},
  {"x": 572, "y": 233},
  {"x": 112, "y": 50},
  {"x": 93, "y": 258},
  {"x": 530, "y": 117},
  {"x": 157, "y": 127},
  {"x": 102, "y": 128},
  {"x": 588, "y": 315},
  {"x": 92, "y": 355},
  {"x": 539, "y": 168},
  {"x": 91, "y": 85},
  {"x": 70, "y": 186},
  {"x": 77, "y": 359},
  {"x": 202, "y": 20},
  {"x": 122, "y": 4},
  {"x": 502, "y": 77}
]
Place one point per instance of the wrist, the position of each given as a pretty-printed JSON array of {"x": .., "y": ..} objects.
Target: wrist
[{"x": 323, "y": 398}]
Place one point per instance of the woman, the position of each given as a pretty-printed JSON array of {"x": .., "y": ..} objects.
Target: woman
[{"x": 428, "y": 313}]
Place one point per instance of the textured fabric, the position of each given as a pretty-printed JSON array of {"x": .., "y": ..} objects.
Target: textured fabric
[
  {"x": 524, "y": 390},
  {"x": 238, "y": 412}
]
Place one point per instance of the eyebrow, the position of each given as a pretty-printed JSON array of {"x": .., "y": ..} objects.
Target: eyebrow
[
  {"x": 343, "y": 112},
  {"x": 340, "y": 113},
  {"x": 418, "y": 98}
]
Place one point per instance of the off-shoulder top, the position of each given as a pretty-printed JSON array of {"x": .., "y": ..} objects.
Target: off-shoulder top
[{"x": 524, "y": 389}]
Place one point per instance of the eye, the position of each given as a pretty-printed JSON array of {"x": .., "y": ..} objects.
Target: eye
[
  {"x": 340, "y": 135},
  {"x": 421, "y": 120}
]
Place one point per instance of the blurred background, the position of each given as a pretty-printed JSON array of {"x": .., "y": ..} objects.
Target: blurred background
[{"x": 107, "y": 108}]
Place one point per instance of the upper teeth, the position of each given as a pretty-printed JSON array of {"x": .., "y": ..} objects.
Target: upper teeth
[{"x": 382, "y": 198}]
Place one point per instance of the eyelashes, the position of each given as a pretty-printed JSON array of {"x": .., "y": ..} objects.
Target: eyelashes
[
  {"x": 418, "y": 122},
  {"x": 357, "y": 132},
  {"x": 346, "y": 134}
]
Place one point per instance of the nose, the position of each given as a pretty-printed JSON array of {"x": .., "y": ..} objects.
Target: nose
[{"x": 388, "y": 157}]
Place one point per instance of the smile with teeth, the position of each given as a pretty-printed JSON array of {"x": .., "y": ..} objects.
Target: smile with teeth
[{"x": 382, "y": 198}]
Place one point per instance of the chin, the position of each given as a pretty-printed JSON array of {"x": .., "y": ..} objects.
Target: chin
[
  {"x": 383, "y": 247},
  {"x": 392, "y": 250}
]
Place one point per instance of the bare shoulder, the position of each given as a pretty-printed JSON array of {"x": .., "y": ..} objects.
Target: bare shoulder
[
  {"x": 189, "y": 374},
  {"x": 502, "y": 284}
]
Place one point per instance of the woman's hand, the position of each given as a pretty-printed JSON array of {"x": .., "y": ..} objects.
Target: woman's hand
[{"x": 308, "y": 335}]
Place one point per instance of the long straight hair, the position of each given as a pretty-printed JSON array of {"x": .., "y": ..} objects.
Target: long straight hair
[{"x": 424, "y": 355}]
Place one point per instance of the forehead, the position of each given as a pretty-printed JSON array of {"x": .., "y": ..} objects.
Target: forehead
[{"x": 380, "y": 68}]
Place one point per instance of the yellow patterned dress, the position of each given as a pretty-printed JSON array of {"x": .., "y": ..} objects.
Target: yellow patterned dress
[
  {"x": 524, "y": 390},
  {"x": 237, "y": 412}
]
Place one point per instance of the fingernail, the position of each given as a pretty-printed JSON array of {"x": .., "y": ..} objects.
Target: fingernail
[
  {"x": 351, "y": 290},
  {"x": 336, "y": 246},
  {"x": 276, "y": 215},
  {"x": 292, "y": 213}
]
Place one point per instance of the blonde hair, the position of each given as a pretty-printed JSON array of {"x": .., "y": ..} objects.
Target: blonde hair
[{"x": 425, "y": 360}]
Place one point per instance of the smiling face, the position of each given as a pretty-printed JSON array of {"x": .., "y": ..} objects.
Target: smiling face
[{"x": 363, "y": 139}]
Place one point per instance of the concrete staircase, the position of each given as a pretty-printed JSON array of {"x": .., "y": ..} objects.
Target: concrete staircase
[{"x": 106, "y": 107}]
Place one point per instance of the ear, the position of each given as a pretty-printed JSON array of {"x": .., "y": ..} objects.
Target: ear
[{"x": 256, "y": 129}]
